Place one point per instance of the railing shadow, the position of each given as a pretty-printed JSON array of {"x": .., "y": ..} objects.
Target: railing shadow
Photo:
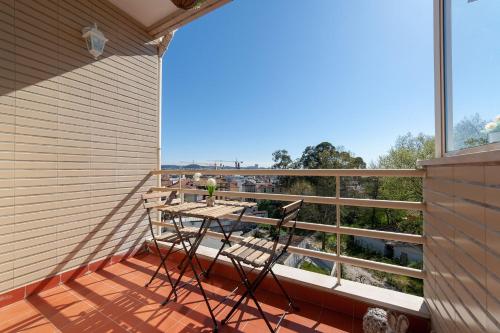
[
  {"x": 59, "y": 267},
  {"x": 130, "y": 301},
  {"x": 132, "y": 304}
]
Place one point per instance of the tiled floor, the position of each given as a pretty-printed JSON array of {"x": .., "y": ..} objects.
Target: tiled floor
[{"x": 115, "y": 300}]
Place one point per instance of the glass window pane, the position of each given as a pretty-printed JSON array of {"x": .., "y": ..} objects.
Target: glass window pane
[{"x": 472, "y": 72}]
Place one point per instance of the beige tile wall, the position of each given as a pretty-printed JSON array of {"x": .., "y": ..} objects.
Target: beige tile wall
[
  {"x": 462, "y": 250},
  {"x": 77, "y": 137}
]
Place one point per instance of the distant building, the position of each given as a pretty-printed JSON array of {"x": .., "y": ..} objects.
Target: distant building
[
  {"x": 249, "y": 185},
  {"x": 268, "y": 187},
  {"x": 404, "y": 252}
]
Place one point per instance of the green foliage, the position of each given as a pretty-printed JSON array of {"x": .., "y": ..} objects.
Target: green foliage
[
  {"x": 322, "y": 156},
  {"x": 281, "y": 159},
  {"x": 313, "y": 268},
  {"x": 211, "y": 190},
  {"x": 469, "y": 132},
  {"x": 272, "y": 207},
  {"x": 403, "y": 155}
]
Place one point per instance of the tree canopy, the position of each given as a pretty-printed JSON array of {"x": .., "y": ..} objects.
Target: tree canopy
[{"x": 404, "y": 154}]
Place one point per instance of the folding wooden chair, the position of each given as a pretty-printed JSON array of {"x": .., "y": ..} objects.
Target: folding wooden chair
[
  {"x": 263, "y": 254},
  {"x": 154, "y": 201}
]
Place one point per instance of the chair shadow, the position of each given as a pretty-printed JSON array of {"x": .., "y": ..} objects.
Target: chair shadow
[{"x": 132, "y": 298}]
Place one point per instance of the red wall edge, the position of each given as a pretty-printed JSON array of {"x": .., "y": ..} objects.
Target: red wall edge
[{"x": 36, "y": 287}]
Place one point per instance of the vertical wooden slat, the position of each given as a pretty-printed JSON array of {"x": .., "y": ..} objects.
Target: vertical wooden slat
[{"x": 337, "y": 210}]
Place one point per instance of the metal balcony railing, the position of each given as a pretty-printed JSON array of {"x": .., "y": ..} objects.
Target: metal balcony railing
[{"x": 338, "y": 201}]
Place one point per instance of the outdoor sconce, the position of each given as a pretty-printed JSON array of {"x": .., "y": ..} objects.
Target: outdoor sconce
[{"x": 95, "y": 40}]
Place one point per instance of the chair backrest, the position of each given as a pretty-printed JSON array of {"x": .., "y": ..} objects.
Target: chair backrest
[
  {"x": 289, "y": 213},
  {"x": 162, "y": 198},
  {"x": 155, "y": 199}
]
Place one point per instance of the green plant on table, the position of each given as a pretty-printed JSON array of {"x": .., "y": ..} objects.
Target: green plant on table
[{"x": 211, "y": 186}]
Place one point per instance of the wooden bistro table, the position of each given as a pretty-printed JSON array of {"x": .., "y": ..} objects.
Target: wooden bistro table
[{"x": 208, "y": 215}]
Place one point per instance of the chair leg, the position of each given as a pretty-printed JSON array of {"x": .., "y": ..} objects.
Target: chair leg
[
  {"x": 189, "y": 257},
  {"x": 250, "y": 292},
  {"x": 163, "y": 259},
  {"x": 250, "y": 288},
  {"x": 224, "y": 242},
  {"x": 204, "y": 295},
  {"x": 207, "y": 272},
  {"x": 174, "y": 287},
  {"x": 162, "y": 263},
  {"x": 203, "y": 272},
  {"x": 283, "y": 291},
  {"x": 155, "y": 273}
]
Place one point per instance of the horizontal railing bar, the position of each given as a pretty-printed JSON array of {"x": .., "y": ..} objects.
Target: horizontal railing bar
[
  {"x": 299, "y": 172},
  {"x": 394, "y": 236},
  {"x": 388, "y": 268},
  {"x": 392, "y": 204}
]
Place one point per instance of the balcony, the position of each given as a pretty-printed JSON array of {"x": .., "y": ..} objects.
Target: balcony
[
  {"x": 80, "y": 137},
  {"x": 110, "y": 294}
]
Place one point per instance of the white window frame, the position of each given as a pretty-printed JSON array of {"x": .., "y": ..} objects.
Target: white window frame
[{"x": 439, "y": 89}]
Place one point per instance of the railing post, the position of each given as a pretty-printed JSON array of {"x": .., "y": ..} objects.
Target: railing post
[
  {"x": 180, "y": 188},
  {"x": 337, "y": 207},
  {"x": 159, "y": 214}
]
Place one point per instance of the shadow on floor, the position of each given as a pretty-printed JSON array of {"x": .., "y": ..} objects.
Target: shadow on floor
[{"x": 114, "y": 299}]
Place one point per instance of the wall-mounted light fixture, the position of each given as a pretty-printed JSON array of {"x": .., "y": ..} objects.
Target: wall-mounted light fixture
[{"x": 95, "y": 40}]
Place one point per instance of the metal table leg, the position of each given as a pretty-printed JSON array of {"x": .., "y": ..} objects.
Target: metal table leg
[
  {"x": 191, "y": 253},
  {"x": 226, "y": 240}
]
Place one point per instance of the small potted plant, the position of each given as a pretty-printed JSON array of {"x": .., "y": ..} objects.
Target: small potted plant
[
  {"x": 493, "y": 130},
  {"x": 211, "y": 186}
]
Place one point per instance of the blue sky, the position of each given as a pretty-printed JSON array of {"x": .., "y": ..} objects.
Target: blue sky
[{"x": 257, "y": 75}]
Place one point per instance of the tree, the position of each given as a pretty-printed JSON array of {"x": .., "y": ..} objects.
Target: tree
[
  {"x": 327, "y": 156},
  {"x": 407, "y": 150},
  {"x": 468, "y": 132},
  {"x": 281, "y": 159},
  {"x": 322, "y": 156}
]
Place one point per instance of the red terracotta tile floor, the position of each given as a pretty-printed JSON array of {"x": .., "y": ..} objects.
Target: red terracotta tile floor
[{"x": 114, "y": 299}]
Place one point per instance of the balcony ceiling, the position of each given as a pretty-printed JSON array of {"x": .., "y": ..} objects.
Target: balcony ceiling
[
  {"x": 158, "y": 17},
  {"x": 147, "y": 12}
]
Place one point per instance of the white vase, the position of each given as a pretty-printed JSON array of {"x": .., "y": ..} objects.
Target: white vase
[
  {"x": 493, "y": 137},
  {"x": 210, "y": 201}
]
